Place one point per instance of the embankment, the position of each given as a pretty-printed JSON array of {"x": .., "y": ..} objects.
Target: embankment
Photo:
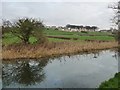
[{"x": 53, "y": 49}]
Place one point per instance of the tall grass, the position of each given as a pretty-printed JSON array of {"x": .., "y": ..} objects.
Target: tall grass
[{"x": 52, "y": 49}]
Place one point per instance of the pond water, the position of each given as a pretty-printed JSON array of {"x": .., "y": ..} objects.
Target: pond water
[{"x": 77, "y": 71}]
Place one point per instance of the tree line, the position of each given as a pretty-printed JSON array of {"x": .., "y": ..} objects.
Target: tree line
[{"x": 81, "y": 27}]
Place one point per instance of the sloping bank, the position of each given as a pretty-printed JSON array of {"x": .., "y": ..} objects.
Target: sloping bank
[
  {"x": 52, "y": 49},
  {"x": 111, "y": 83}
]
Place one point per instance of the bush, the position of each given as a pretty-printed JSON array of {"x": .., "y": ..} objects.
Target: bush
[{"x": 84, "y": 32}]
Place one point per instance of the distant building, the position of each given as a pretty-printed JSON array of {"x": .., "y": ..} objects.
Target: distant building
[
  {"x": 74, "y": 28},
  {"x": 61, "y": 28},
  {"x": 77, "y": 28},
  {"x": 109, "y": 30},
  {"x": 103, "y": 30},
  {"x": 54, "y": 27}
]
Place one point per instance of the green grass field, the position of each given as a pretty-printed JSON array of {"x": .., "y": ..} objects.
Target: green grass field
[
  {"x": 57, "y": 32},
  {"x": 81, "y": 36},
  {"x": 111, "y": 83},
  {"x": 11, "y": 39}
]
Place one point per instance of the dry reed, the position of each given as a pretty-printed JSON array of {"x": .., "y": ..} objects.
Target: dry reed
[{"x": 53, "y": 49}]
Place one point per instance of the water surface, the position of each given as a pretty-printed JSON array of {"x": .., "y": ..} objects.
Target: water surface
[{"x": 78, "y": 71}]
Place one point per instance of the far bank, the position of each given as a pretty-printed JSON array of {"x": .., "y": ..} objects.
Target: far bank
[{"x": 52, "y": 49}]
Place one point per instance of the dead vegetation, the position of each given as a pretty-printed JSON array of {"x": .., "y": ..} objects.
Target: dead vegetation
[{"x": 52, "y": 49}]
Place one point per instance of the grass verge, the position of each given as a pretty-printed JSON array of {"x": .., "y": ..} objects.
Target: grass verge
[{"x": 111, "y": 83}]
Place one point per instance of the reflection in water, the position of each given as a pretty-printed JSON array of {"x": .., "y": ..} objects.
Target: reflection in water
[
  {"x": 114, "y": 81},
  {"x": 24, "y": 72},
  {"x": 96, "y": 54},
  {"x": 119, "y": 59},
  {"x": 80, "y": 71}
]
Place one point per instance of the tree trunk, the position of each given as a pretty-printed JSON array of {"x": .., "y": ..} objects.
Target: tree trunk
[{"x": 26, "y": 40}]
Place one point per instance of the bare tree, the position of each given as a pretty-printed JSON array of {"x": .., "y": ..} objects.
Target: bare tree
[{"x": 116, "y": 18}]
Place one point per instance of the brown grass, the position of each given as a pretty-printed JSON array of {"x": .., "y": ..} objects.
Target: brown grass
[{"x": 53, "y": 49}]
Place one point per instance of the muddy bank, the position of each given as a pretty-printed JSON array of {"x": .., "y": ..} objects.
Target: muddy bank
[{"x": 53, "y": 49}]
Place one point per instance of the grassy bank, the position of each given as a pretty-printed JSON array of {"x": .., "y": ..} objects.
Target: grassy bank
[
  {"x": 111, "y": 83},
  {"x": 58, "y": 43},
  {"x": 52, "y": 49}
]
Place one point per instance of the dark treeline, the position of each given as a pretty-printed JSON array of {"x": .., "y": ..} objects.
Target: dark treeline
[{"x": 81, "y": 27}]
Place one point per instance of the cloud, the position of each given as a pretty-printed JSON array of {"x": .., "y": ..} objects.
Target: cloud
[
  {"x": 62, "y": 13},
  {"x": 60, "y": 0}
]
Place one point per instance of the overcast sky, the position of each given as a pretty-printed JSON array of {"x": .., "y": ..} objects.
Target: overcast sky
[{"x": 61, "y": 13}]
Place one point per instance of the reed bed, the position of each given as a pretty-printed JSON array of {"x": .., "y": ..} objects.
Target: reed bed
[{"x": 52, "y": 49}]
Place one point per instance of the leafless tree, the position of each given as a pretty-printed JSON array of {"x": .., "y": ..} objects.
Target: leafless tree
[{"x": 116, "y": 18}]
